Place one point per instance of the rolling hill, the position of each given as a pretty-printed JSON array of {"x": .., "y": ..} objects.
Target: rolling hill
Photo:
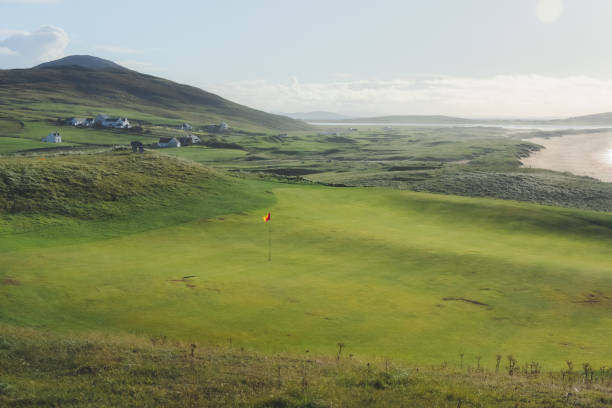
[
  {"x": 600, "y": 119},
  {"x": 83, "y": 61},
  {"x": 317, "y": 115},
  {"x": 85, "y": 81}
]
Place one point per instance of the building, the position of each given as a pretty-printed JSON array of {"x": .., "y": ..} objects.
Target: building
[
  {"x": 168, "y": 142},
  {"x": 115, "y": 123},
  {"x": 221, "y": 127},
  {"x": 189, "y": 140},
  {"x": 186, "y": 126},
  {"x": 77, "y": 121},
  {"x": 52, "y": 138},
  {"x": 137, "y": 147}
]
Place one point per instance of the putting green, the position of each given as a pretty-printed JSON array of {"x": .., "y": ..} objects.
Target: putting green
[{"x": 403, "y": 275}]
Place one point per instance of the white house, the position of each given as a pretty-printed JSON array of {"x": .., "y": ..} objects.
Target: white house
[
  {"x": 52, "y": 138},
  {"x": 168, "y": 142},
  {"x": 116, "y": 123},
  {"x": 221, "y": 127},
  {"x": 185, "y": 126},
  {"x": 77, "y": 121},
  {"x": 189, "y": 140}
]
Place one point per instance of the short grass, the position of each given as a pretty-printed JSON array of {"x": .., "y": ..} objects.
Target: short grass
[
  {"x": 409, "y": 276},
  {"x": 14, "y": 144},
  {"x": 203, "y": 154}
]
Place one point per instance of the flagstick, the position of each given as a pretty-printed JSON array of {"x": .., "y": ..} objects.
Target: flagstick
[{"x": 269, "y": 241}]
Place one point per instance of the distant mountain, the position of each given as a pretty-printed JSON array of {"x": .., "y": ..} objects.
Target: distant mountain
[
  {"x": 413, "y": 119},
  {"x": 598, "y": 119},
  {"x": 88, "y": 81},
  {"x": 84, "y": 61},
  {"x": 317, "y": 115}
]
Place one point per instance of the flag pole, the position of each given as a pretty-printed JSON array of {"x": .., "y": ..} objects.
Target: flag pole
[{"x": 269, "y": 241}]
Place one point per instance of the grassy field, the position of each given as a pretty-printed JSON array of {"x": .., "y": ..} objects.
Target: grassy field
[
  {"x": 379, "y": 270},
  {"x": 38, "y": 368}
]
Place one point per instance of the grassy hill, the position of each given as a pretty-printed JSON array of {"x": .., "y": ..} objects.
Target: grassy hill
[
  {"x": 379, "y": 270},
  {"x": 64, "y": 89}
]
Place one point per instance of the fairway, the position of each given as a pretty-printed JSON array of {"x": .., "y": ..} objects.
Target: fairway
[{"x": 409, "y": 276}]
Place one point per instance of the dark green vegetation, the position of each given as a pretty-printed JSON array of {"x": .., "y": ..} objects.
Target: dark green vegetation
[{"x": 41, "y": 369}]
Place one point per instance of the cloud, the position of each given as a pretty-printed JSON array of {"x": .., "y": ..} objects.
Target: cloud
[
  {"x": 27, "y": 49},
  {"x": 549, "y": 11},
  {"x": 497, "y": 96},
  {"x": 6, "y": 51},
  {"x": 119, "y": 50},
  {"x": 7, "y": 32},
  {"x": 29, "y": 1}
]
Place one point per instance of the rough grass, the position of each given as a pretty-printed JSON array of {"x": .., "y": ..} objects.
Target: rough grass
[
  {"x": 69, "y": 183},
  {"x": 41, "y": 369}
]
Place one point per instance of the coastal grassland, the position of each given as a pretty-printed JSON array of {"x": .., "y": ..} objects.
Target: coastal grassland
[
  {"x": 477, "y": 162},
  {"x": 38, "y": 368},
  {"x": 480, "y": 162},
  {"x": 393, "y": 274}
]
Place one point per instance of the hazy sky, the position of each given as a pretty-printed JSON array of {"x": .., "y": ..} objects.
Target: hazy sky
[{"x": 477, "y": 58}]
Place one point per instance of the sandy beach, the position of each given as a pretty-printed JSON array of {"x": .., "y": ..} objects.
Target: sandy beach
[{"x": 584, "y": 155}]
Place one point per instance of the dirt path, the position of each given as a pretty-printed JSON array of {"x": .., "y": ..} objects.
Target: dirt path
[{"x": 584, "y": 155}]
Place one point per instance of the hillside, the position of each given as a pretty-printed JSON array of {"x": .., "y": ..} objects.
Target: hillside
[
  {"x": 83, "y": 61},
  {"x": 83, "y": 81},
  {"x": 598, "y": 119}
]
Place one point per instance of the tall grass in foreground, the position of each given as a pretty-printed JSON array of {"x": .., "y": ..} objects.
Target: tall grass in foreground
[{"x": 38, "y": 369}]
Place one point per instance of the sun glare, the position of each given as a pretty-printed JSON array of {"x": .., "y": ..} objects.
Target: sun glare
[{"x": 549, "y": 11}]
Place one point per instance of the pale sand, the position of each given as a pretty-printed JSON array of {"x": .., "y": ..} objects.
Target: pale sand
[{"x": 583, "y": 155}]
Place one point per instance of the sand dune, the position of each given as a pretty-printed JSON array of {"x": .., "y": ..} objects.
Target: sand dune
[{"x": 584, "y": 155}]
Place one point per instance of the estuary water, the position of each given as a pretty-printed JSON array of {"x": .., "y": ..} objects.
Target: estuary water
[{"x": 584, "y": 155}]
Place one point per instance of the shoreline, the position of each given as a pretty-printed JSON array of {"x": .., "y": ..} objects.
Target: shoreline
[{"x": 583, "y": 155}]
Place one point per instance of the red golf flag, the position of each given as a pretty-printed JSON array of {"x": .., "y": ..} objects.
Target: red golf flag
[{"x": 267, "y": 218}]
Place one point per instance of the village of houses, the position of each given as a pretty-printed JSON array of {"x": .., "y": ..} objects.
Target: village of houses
[{"x": 107, "y": 122}]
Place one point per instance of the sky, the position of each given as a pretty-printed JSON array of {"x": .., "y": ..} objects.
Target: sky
[{"x": 471, "y": 58}]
